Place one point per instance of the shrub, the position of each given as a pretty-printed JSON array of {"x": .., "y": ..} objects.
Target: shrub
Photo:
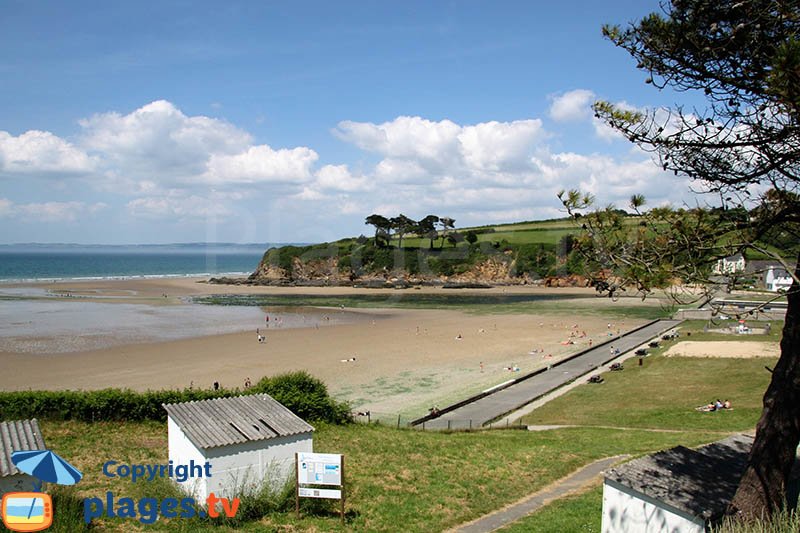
[
  {"x": 306, "y": 396},
  {"x": 303, "y": 394}
]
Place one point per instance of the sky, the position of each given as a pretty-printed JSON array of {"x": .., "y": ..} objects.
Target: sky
[{"x": 162, "y": 122}]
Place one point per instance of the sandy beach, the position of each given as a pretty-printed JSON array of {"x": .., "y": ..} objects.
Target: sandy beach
[
  {"x": 384, "y": 360},
  {"x": 729, "y": 349}
]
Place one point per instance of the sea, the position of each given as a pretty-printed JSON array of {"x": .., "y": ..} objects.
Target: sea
[
  {"x": 55, "y": 262},
  {"x": 34, "y": 320}
]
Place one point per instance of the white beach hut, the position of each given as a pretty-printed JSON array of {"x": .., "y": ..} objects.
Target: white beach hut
[
  {"x": 17, "y": 436},
  {"x": 246, "y": 440},
  {"x": 679, "y": 489}
]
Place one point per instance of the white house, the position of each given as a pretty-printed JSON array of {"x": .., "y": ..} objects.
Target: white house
[
  {"x": 730, "y": 265},
  {"x": 674, "y": 490},
  {"x": 17, "y": 436},
  {"x": 777, "y": 279},
  {"x": 246, "y": 441}
]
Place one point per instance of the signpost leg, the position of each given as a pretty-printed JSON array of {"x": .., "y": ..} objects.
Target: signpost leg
[
  {"x": 296, "y": 488},
  {"x": 343, "y": 491}
]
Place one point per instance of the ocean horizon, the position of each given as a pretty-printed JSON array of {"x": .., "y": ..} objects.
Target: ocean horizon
[{"x": 34, "y": 262}]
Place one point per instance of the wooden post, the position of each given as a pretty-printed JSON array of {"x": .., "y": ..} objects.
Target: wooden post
[
  {"x": 343, "y": 485},
  {"x": 296, "y": 486},
  {"x": 398, "y": 421}
]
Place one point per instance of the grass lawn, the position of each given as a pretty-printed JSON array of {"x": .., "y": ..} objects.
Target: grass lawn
[
  {"x": 663, "y": 394},
  {"x": 426, "y": 481},
  {"x": 578, "y": 513}
]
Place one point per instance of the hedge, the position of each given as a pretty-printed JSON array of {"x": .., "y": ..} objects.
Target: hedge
[{"x": 303, "y": 394}]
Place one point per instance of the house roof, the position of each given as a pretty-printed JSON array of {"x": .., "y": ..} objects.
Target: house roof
[
  {"x": 18, "y": 436},
  {"x": 700, "y": 482},
  {"x": 226, "y": 421},
  {"x": 734, "y": 258}
]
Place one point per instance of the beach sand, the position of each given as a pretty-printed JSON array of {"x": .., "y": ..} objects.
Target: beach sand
[
  {"x": 736, "y": 349},
  {"x": 405, "y": 359}
]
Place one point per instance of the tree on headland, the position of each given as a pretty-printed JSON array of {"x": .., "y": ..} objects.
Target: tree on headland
[
  {"x": 455, "y": 238},
  {"x": 401, "y": 225},
  {"x": 446, "y": 223},
  {"x": 427, "y": 228},
  {"x": 382, "y": 228},
  {"x": 744, "y": 57}
]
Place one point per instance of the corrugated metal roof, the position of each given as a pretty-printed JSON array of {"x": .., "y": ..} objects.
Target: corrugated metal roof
[
  {"x": 225, "y": 421},
  {"x": 18, "y": 436},
  {"x": 700, "y": 482}
]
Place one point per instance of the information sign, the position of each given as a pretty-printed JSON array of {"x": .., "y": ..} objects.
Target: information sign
[{"x": 319, "y": 469}]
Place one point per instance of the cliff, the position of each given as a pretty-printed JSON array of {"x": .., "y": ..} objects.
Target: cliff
[{"x": 362, "y": 264}]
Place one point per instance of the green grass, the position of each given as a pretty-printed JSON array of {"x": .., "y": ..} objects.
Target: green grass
[
  {"x": 663, "y": 394},
  {"x": 576, "y": 513},
  {"x": 425, "y": 481}
]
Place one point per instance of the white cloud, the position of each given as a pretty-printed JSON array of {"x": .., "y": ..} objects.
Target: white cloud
[
  {"x": 261, "y": 164},
  {"x": 338, "y": 177},
  {"x": 177, "y": 206},
  {"x": 417, "y": 150},
  {"x": 6, "y": 207},
  {"x": 41, "y": 152},
  {"x": 405, "y": 137},
  {"x": 158, "y": 138},
  {"x": 49, "y": 211},
  {"x": 160, "y": 164},
  {"x": 500, "y": 146},
  {"x": 572, "y": 105}
]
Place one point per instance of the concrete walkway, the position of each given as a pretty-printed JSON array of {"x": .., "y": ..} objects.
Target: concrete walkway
[
  {"x": 504, "y": 401},
  {"x": 571, "y": 483}
]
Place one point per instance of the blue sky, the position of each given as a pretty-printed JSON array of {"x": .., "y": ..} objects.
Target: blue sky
[{"x": 153, "y": 122}]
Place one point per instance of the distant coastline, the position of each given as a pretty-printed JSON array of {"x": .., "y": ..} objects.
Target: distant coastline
[{"x": 31, "y": 262}]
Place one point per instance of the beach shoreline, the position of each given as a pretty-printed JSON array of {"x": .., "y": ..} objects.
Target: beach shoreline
[{"x": 384, "y": 360}]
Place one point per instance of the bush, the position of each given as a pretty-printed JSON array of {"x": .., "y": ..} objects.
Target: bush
[
  {"x": 301, "y": 393},
  {"x": 306, "y": 396}
]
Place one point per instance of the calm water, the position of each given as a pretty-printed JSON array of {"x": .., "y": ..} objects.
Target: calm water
[{"x": 101, "y": 262}]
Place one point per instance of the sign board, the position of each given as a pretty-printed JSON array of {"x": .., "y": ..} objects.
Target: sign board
[
  {"x": 330, "y": 494},
  {"x": 319, "y": 469}
]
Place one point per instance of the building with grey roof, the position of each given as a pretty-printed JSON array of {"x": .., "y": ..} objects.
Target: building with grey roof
[
  {"x": 245, "y": 440},
  {"x": 17, "y": 436},
  {"x": 679, "y": 489}
]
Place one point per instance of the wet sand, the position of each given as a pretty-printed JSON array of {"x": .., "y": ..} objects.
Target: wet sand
[{"x": 404, "y": 359}]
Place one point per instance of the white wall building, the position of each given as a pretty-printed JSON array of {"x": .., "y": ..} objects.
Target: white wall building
[
  {"x": 730, "y": 265},
  {"x": 674, "y": 490},
  {"x": 17, "y": 436},
  {"x": 247, "y": 440},
  {"x": 777, "y": 279}
]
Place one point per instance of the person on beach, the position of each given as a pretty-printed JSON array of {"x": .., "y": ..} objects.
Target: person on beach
[
  {"x": 216, "y": 385},
  {"x": 247, "y": 383}
]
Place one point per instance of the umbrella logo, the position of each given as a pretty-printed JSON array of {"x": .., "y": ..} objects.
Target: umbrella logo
[{"x": 33, "y": 511}]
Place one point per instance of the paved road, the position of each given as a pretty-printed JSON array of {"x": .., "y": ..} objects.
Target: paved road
[{"x": 493, "y": 406}]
